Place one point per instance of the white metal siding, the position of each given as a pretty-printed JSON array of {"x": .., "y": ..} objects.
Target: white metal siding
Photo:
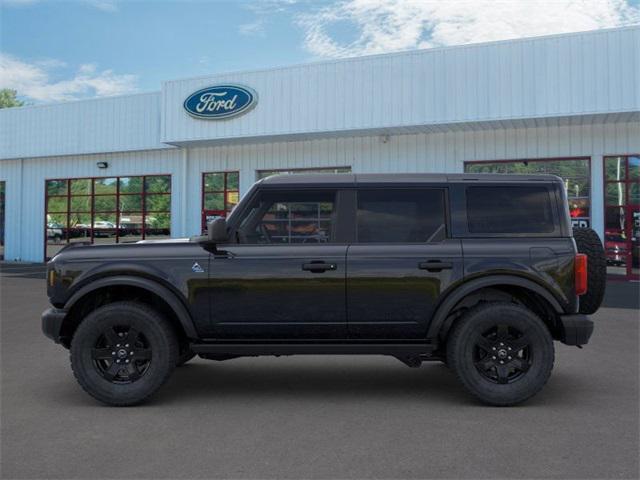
[
  {"x": 558, "y": 76},
  {"x": 423, "y": 152},
  {"x": 434, "y": 152},
  {"x": 113, "y": 124},
  {"x": 26, "y": 190}
]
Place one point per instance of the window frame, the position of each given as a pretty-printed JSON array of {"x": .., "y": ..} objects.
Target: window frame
[
  {"x": 627, "y": 208},
  {"x": 444, "y": 189},
  {"x": 204, "y": 212},
  {"x": 92, "y": 212}
]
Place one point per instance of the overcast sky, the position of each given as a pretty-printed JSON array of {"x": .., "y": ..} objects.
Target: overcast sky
[{"x": 63, "y": 50}]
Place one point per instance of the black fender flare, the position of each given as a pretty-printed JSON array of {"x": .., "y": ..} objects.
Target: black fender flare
[
  {"x": 439, "y": 322},
  {"x": 171, "y": 298}
]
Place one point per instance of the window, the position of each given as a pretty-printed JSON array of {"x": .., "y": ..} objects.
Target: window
[
  {"x": 266, "y": 173},
  {"x": 289, "y": 218},
  {"x": 106, "y": 210},
  {"x": 574, "y": 171},
  {"x": 622, "y": 215},
  {"x": 517, "y": 209},
  {"x": 400, "y": 216},
  {"x": 220, "y": 194}
]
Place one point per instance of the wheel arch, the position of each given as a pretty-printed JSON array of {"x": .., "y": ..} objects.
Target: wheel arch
[
  {"x": 126, "y": 287},
  {"x": 444, "y": 317}
]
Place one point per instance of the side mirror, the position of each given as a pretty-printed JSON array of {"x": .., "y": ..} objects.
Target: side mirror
[{"x": 217, "y": 231}]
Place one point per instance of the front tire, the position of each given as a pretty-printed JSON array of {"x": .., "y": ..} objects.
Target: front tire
[
  {"x": 123, "y": 352},
  {"x": 501, "y": 352}
]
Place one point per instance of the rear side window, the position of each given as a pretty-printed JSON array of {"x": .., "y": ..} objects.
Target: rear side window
[
  {"x": 514, "y": 209},
  {"x": 400, "y": 216}
]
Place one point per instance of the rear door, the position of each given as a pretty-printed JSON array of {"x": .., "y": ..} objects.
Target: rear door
[{"x": 401, "y": 262}]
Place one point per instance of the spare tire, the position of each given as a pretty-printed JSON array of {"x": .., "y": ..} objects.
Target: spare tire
[{"x": 588, "y": 242}]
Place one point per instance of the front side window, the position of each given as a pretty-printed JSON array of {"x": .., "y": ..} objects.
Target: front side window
[
  {"x": 290, "y": 218},
  {"x": 509, "y": 209},
  {"x": 400, "y": 216}
]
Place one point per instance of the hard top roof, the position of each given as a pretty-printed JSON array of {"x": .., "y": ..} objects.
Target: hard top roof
[{"x": 344, "y": 179}]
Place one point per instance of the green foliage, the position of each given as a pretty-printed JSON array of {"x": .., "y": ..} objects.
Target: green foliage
[{"x": 8, "y": 98}]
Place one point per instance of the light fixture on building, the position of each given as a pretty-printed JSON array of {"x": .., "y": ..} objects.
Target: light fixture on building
[
  {"x": 102, "y": 165},
  {"x": 384, "y": 138}
]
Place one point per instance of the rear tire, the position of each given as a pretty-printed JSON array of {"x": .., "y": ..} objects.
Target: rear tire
[
  {"x": 123, "y": 352},
  {"x": 501, "y": 352},
  {"x": 588, "y": 242}
]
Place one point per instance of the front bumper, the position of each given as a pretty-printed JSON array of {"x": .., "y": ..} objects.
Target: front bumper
[
  {"x": 576, "y": 329},
  {"x": 52, "y": 319}
]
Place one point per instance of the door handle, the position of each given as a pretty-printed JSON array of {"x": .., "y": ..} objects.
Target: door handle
[
  {"x": 318, "y": 267},
  {"x": 435, "y": 266}
]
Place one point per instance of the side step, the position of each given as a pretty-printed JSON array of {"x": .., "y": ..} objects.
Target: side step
[{"x": 254, "y": 349}]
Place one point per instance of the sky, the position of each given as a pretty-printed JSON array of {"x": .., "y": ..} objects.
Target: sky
[{"x": 54, "y": 50}]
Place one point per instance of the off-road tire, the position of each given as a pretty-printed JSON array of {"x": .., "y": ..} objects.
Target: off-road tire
[
  {"x": 153, "y": 328},
  {"x": 462, "y": 349},
  {"x": 588, "y": 242}
]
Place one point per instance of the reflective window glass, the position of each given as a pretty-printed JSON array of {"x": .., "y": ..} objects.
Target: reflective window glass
[
  {"x": 399, "y": 216},
  {"x": 517, "y": 209},
  {"x": 289, "y": 218}
]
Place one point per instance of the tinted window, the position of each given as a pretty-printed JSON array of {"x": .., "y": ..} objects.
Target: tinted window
[
  {"x": 509, "y": 210},
  {"x": 290, "y": 217},
  {"x": 399, "y": 216}
]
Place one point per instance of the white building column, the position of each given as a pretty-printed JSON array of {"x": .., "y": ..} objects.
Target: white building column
[
  {"x": 247, "y": 179},
  {"x": 597, "y": 195}
]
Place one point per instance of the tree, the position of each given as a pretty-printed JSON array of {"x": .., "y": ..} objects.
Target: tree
[{"x": 8, "y": 98}]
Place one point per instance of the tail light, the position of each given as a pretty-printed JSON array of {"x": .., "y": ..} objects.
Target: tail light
[{"x": 581, "y": 273}]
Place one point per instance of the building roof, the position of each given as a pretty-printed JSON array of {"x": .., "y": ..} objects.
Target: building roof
[{"x": 578, "y": 78}]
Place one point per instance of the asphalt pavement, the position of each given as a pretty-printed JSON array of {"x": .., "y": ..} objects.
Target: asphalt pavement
[{"x": 316, "y": 416}]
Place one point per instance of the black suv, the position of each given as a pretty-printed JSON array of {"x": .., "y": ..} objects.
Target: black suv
[{"x": 481, "y": 272}]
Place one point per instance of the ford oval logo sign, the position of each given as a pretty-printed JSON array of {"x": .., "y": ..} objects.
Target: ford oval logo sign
[{"x": 220, "y": 101}]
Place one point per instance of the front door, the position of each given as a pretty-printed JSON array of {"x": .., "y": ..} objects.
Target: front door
[
  {"x": 401, "y": 262},
  {"x": 285, "y": 278}
]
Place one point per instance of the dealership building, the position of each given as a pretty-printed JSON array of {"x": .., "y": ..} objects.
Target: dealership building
[{"x": 160, "y": 164}]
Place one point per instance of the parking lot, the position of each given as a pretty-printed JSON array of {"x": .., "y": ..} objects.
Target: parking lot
[{"x": 317, "y": 417}]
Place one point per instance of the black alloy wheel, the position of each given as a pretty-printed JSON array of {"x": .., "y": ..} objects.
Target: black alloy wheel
[
  {"x": 122, "y": 354},
  {"x": 502, "y": 354}
]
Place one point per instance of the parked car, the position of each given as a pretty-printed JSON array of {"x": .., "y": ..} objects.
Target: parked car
[
  {"x": 54, "y": 231},
  {"x": 102, "y": 228},
  {"x": 482, "y": 272}
]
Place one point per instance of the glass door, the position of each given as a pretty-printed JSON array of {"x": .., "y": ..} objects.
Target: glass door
[{"x": 622, "y": 215}]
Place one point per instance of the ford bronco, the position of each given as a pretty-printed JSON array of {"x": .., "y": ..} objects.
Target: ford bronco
[{"x": 482, "y": 272}]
